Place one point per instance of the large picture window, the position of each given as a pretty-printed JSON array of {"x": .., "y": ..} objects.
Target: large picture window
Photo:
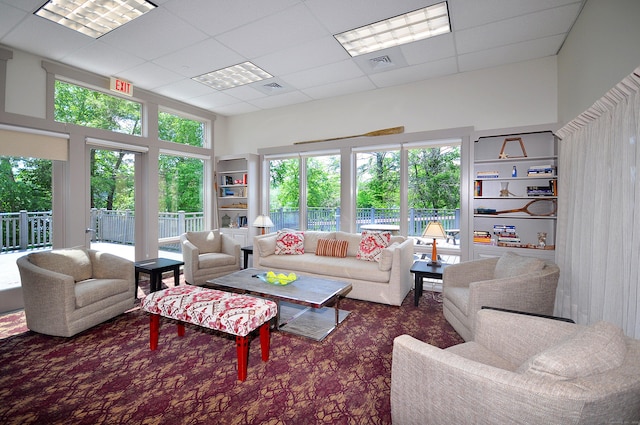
[{"x": 90, "y": 108}]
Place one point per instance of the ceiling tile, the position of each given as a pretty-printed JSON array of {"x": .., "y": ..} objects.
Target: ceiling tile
[
  {"x": 183, "y": 89},
  {"x": 281, "y": 100},
  {"x": 102, "y": 59},
  {"x": 534, "y": 25},
  {"x": 154, "y": 34},
  {"x": 473, "y": 13},
  {"x": 200, "y": 58},
  {"x": 150, "y": 76},
  {"x": 429, "y": 50},
  {"x": 512, "y": 53},
  {"x": 309, "y": 55},
  {"x": 275, "y": 32},
  {"x": 415, "y": 73},
  {"x": 340, "y": 88},
  {"x": 323, "y": 74}
]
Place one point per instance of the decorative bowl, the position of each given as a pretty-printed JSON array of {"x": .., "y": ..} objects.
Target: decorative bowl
[{"x": 277, "y": 279}]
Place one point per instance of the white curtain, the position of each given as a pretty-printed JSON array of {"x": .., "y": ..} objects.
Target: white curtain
[{"x": 598, "y": 232}]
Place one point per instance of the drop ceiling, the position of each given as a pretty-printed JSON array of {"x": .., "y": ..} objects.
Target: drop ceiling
[{"x": 291, "y": 40}]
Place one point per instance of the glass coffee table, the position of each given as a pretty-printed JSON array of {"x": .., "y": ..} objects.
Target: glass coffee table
[{"x": 308, "y": 307}]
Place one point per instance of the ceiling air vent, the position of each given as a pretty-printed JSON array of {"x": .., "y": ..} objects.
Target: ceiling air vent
[
  {"x": 273, "y": 86},
  {"x": 381, "y": 62}
]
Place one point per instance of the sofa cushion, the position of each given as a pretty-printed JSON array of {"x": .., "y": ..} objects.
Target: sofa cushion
[
  {"x": 311, "y": 238},
  {"x": 267, "y": 245},
  {"x": 215, "y": 259},
  {"x": 94, "y": 290},
  {"x": 353, "y": 239},
  {"x": 386, "y": 257},
  {"x": 73, "y": 262},
  {"x": 512, "y": 265},
  {"x": 206, "y": 241},
  {"x": 332, "y": 248},
  {"x": 372, "y": 244},
  {"x": 289, "y": 243},
  {"x": 595, "y": 349}
]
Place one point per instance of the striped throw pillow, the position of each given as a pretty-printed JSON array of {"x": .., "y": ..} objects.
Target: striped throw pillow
[{"x": 332, "y": 248}]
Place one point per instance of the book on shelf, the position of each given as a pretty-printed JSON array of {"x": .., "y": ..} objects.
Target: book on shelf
[
  {"x": 487, "y": 174},
  {"x": 481, "y": 236},
  {"x": 541, "y": 170},
  {"x": 503, "y": 228},
  {"x": 540, "y": 190}
]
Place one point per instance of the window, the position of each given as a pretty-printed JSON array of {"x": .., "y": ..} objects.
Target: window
[
  {"x": 181, "y": 195},
  {"x": 323, "y": 192},
  {"x": 434, "y": 188},
  {"x": 174, "y": 128},
  {"x": 284, "y": 193},
  {"x": 378, "y": 188},
  {"x": 90, "y": 108}
]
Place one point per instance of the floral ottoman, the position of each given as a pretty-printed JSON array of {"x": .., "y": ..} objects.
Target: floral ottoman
[{"x": 234, "y": 314}]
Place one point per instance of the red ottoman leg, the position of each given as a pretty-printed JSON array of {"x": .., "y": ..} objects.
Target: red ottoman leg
[
  {"x": 180, "y": 329},
  {"x": 155, "y": 331},
  {"x": 265, "y": 337},
  {"x": 242, "y": 347}
]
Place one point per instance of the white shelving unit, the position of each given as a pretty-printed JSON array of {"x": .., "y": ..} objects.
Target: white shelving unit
[
  {"x": 237, "y": 194},
  {"x": 496, "y": 156}
]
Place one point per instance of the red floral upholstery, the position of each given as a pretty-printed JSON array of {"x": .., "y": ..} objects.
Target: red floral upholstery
[
  {"x": 372, "y": 244},
  {"x": 289, "y": 243},
  {"x": 235, "y": 314}
]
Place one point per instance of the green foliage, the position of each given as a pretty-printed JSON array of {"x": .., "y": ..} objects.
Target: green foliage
[
  {"x": 434, "y": 178},
  {"x": 285, "y": 183},
  {"x": 323, "y": 182},
  {"x": 181, "y": 184},
  {"x": 81, "y": 106},
  {"x": 180, "y": 130},
  {"x": 25, "y": 184},
  {"x": 378, "y": 180}
]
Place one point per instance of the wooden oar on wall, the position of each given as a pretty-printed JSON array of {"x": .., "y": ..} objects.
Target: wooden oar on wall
[{"x": 383, "y": 132}]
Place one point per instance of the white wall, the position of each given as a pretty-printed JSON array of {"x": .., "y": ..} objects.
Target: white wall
[
  {"x": 603, "y": 47},
  {"x": 513, "y": 95},
  {"x": 26, "y": 85}
]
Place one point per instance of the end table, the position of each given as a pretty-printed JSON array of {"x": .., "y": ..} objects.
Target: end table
[{"x": 421, "y": 270}]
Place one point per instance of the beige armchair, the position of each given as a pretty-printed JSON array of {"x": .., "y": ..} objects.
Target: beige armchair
[
  {"x": 66, "y": 291},
  {"x": 207, "y": 255},
  {"x": 511, "y": 282},
  {"x": 519, "y": 370}
]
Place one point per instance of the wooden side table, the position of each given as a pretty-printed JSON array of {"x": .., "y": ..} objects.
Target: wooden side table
[
  {"x": 154, "y": 267},
  {"x": 421, "y": 270}
]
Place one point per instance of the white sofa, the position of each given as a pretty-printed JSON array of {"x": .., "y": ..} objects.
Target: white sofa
[{"x": 387, "y": 281}]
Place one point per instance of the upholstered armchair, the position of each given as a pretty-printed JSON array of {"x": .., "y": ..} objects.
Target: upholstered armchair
[
  {"x": 207, "y": 255},
  {"x": 512, "y": 282},
  {"x": 67, "y": 291},
  {"x": 520, "y": 369}
]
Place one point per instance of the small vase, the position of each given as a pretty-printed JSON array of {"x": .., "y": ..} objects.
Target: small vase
[{"x": 504, "y": 189}]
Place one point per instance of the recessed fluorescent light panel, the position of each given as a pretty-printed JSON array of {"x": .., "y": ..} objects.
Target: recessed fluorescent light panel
[
  {"x": 233, "y": 76},
  {"x": 94, "y": 18},
  {"x": 403, "y": 29}
]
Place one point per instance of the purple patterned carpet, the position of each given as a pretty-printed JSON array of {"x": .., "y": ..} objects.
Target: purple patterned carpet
[{"x": 107, "y": 374}]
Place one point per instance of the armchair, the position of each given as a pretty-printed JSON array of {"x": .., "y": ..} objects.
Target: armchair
[
  {"x": 208, "y": 254},
  {"x": 520, "y": 369},
  {"x": 67, "y": 291},
  {"x": 511, "y": 282}
]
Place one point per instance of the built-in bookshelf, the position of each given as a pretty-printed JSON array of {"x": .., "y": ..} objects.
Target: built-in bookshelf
[
  {"x": 515, "y": 191},
  {"x": 237, "y": 194}
]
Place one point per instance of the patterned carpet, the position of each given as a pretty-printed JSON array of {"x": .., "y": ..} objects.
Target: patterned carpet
[{"x": 107, "y": 374}]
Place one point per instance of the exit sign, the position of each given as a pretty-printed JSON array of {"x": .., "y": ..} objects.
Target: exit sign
[{"x": 121, "y": 86}]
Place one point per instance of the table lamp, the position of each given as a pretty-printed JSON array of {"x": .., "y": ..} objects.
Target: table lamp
[
  {"x": 264, "y": 222},
  {"x": 436, "y": 231}
]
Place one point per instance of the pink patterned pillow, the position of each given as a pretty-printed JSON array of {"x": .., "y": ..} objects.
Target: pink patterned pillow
[
  {"x": 372, "y": 244},
  {"x": 289, "y": 242}
]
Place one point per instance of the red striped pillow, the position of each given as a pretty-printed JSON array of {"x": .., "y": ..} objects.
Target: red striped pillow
[{"x": 332, "y": 248}]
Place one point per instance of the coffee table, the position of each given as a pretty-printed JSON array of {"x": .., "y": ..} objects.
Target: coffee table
[{"x": 308, "y": 307}]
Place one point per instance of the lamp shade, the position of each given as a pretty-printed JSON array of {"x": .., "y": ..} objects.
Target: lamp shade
[
  {"x": 434, "y": 230},
  {"x": 263, "y": 221}
]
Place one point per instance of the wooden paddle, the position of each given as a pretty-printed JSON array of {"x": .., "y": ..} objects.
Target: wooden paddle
[
  {"x": 538, "y": 207},
  {"x": 383, "y": 132}
]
